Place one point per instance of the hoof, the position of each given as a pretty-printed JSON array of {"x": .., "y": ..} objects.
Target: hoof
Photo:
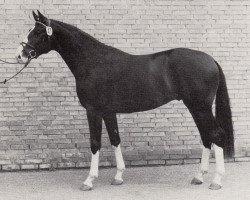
[
  {"x": 85, "y": 188},
  {"x": 214, "y": 186},
  {"x": 116, "y": 182},
  {"x": 196, "y": 181}
]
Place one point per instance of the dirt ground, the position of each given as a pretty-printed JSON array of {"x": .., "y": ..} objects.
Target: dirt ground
[{"x": 140, "y": 183}]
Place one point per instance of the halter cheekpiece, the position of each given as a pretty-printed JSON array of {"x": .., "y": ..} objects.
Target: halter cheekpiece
[{"x": 48, "y": 28}]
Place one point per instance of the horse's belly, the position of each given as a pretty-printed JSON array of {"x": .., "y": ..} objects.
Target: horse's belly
[{"x": 137, "y": 105}]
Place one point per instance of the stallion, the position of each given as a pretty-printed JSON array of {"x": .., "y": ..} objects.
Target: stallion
[{"x": 110, "y": 81}]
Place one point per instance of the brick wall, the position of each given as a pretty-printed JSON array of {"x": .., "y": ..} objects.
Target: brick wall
[{"x": 42, "y": 124}]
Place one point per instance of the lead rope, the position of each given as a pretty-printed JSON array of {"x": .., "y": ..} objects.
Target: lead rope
[
  {"x": 25, "y": 65},
  {"x": 8, "y": 62}
]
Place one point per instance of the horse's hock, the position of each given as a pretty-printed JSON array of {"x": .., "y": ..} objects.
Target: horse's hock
[{"x": 44, "y": 127}]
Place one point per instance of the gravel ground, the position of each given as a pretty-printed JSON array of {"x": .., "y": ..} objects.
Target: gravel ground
[{"x": 164, "y": 182}]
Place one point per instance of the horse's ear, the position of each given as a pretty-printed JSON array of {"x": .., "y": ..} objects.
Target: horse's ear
[
  {"x": 41, "y": 17},
  {"x": 36, "y": 18}
]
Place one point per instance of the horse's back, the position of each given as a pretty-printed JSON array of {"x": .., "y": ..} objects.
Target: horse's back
[{"x": 129, "y": 83}]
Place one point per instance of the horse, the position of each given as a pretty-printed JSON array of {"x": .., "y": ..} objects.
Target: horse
[{"x": 110, "y": 81}]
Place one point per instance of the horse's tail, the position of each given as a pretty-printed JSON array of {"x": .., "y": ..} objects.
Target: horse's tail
[{"x": 223, "y": 114}]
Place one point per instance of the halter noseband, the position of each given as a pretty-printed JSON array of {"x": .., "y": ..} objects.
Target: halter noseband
[{"x": 32, "y": 53}]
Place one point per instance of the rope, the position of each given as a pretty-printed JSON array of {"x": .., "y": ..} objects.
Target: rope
[
  {"x": 25, "y": 65},
  {"x": 9, "y": 62}
]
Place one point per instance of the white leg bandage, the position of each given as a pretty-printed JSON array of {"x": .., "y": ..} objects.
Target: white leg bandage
[
  {"x": 205, "y": 160},
  {"x": 204, "y": 164},
  {"x": 119, "y": 163},
  {"x": 93, "y": 173},
  {"x": 220, "y": 166}
]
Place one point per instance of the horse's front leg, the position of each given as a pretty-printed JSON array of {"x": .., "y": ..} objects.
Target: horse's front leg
[
  {"x": 112, "y": 128},
  {"x": 95, "y": 127}
]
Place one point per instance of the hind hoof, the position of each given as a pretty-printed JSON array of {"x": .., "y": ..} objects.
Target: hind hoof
[
  {"x": 117, "y": 182},
  {"x": 215, "y": 186},
  {"x": 85, "y": 188},
  {"x": 196, "y": 181}
]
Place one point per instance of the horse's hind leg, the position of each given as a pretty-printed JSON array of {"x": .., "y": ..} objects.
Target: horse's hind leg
[
  {"x": 95, "y": 127},
  {"x": 198, "y": 179},
  {"x": 211, "y": 133},
  {"x": 112, "y": 128}
]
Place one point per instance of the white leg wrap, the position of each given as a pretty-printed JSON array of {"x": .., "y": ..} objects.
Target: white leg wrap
[
  {"x": 205, "y": 160},
  {"x": 220, "y": 166},
  {"x": 93, "y": 173},
  {"x": 119, "y": 163},
  {"x": 89, "y": 181},
  {"x": 204, "y": 164}
]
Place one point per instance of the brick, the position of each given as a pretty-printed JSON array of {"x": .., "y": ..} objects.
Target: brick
[
  {"x": 29, "y": 167},
  {"x": 244, "y": 159},
  {"x": 11, "y": 167},
  {"x": 5, "y": 162},
  {"x": 66, "y": 165},
  {"x": 156, "y": 162},
  {"x": 191, "y": 161},
  {"x": 44, "y": 166},
  {"x": 174, "y": 162},
  {"x": 39, "y": 108},
  {"x": 33, "y": 161},
  {"x": 66, "y": 146},
  {"x": 82, "y": 164},
  {"x": 138, "y": 162}
]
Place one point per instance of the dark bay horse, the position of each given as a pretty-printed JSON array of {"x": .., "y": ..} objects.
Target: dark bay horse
[{"x": 110, "y": 81}]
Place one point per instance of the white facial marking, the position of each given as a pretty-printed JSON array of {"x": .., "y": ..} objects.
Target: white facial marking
[{"x": 20, "y": 57}]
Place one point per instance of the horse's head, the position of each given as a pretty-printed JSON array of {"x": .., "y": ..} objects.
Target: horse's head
[{"x": 38, "y": 40}]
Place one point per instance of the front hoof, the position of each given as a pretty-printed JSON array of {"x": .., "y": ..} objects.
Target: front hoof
[
  {"x": 85, "y": 188},
  {"x": 215, "y": 186},
  {"x": 116, "y": 182},
  {"x": 196, "y": 181}
]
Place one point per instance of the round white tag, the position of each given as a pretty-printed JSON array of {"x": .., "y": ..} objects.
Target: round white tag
[{"x": 49, "y": 30}]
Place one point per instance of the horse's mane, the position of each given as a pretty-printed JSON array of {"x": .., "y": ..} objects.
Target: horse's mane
[
  {"x": 73, "y": 29},
  {"x": 81, "y": 34}
]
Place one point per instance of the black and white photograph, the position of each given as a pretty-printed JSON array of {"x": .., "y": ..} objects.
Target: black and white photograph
[{"x": 124, "y": 99}]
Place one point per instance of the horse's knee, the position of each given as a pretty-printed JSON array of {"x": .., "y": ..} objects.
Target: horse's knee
[
  {"x": 114, "y": 138},
  {"x": 115, "y": 141},
  {"x": 95, "y": 146}
]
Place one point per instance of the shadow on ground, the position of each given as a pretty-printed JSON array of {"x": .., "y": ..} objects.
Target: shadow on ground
[{"x": 165, "y": 182}]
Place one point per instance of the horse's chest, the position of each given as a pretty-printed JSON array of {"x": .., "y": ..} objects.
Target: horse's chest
[{"x": 93, "y": 94}]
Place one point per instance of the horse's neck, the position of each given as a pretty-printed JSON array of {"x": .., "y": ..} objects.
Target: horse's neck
[{"x": 76, "y": 48}]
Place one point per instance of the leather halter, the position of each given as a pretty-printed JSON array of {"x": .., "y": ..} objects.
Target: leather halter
[{"x": 33, "y": 52}]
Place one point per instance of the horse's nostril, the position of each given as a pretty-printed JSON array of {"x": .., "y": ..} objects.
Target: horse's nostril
[{"x": 19, "y": 57}]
